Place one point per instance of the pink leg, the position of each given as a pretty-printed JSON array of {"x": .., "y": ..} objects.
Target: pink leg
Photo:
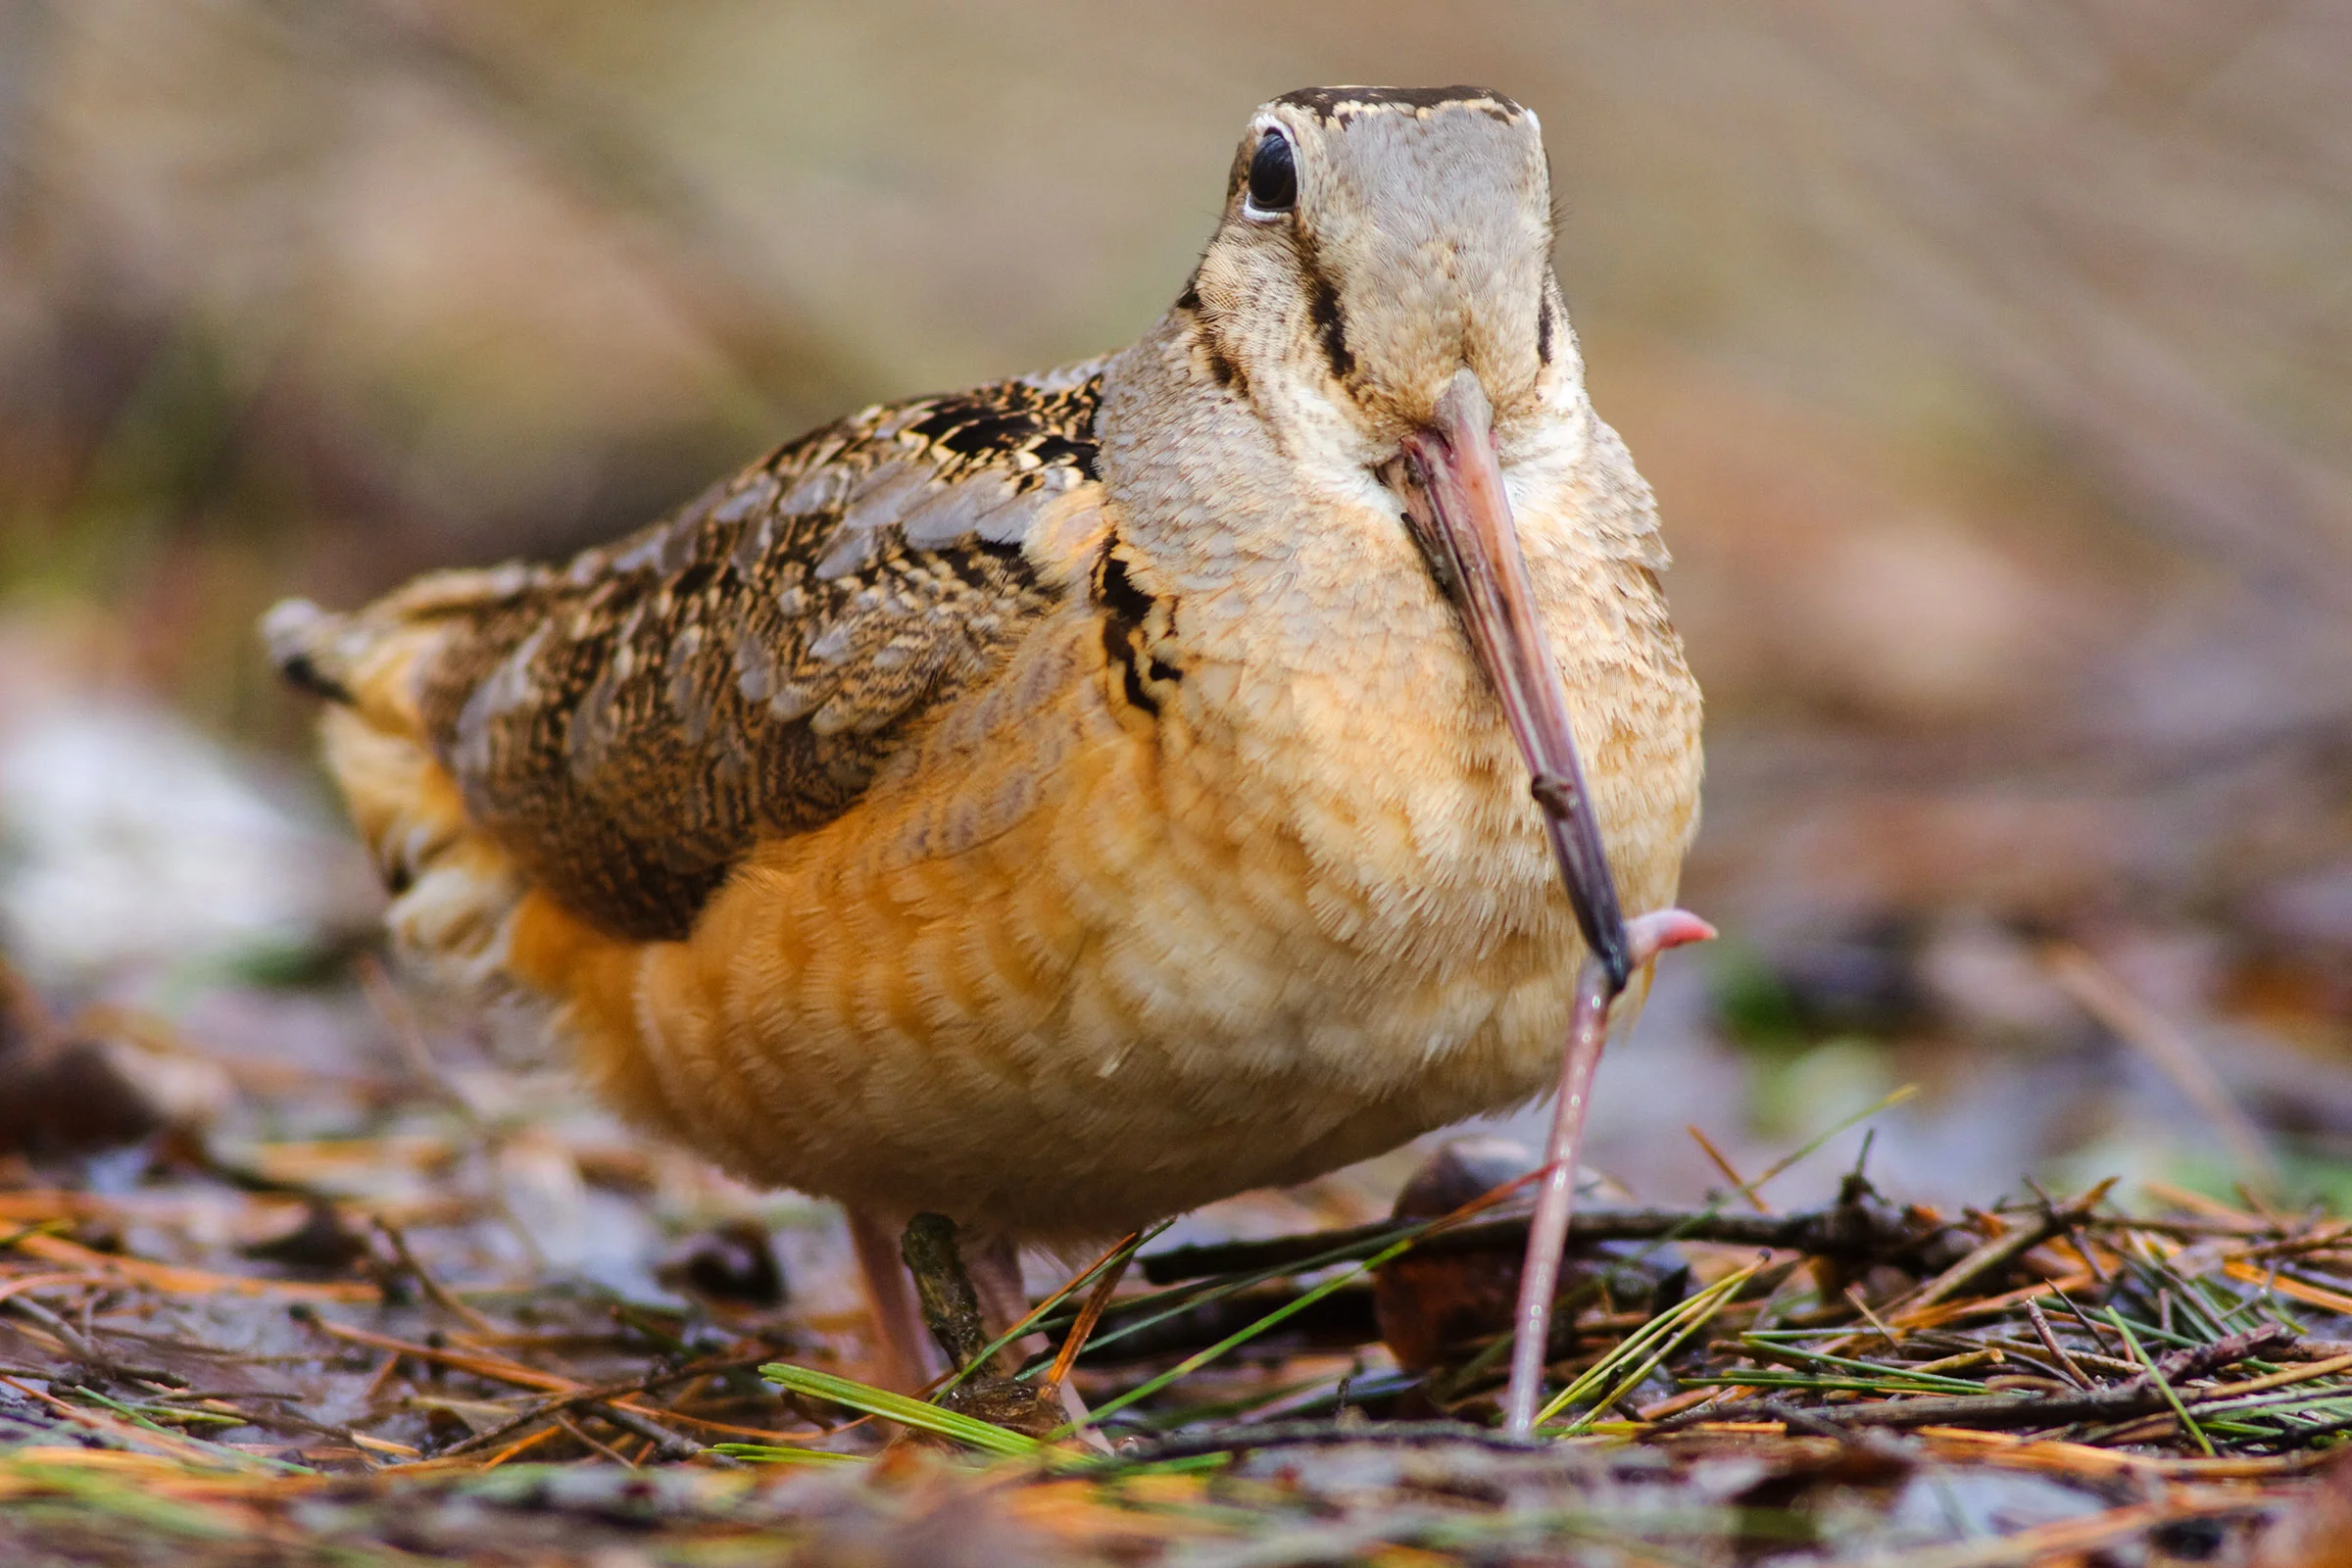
[
  {"x": 996, "y": 1271},
  {"x": 995, "y": 1267},
  {"x": 1555, "y": 1200},
  {"x": 909, "y": 1359}
]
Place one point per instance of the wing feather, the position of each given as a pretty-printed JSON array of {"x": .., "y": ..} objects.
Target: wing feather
[{"x": 626, "y": 726}]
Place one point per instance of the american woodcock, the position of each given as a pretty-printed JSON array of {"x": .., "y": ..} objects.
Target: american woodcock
[{"x": 1067, "y": 801}]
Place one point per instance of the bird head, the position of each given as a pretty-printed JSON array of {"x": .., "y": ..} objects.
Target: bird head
[
  {"x": 1379, "y": 293},
  {"x": 1375, "y": 241}
]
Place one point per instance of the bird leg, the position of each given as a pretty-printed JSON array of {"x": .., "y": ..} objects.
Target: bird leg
[
  {"x": 969, "y": 1304},
  {"x": 996, "y": 1271},
  {"x": 908, "y": 1357},
  {"x": 1646, "y": 936},
  {"x": 996, "y": 1266},
  {"x": 968, "y": 1299}
]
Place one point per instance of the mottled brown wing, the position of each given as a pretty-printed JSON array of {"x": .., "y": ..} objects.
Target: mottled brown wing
[{"x": 629, "y": 724}]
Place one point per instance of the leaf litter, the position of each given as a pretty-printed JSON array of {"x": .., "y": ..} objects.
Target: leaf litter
[{"x": 324, "y": 1321}]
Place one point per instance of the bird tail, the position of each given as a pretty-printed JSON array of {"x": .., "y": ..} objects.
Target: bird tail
[
  {"x": 313, "y": 649},
  {"x": 453, "y": 887}
]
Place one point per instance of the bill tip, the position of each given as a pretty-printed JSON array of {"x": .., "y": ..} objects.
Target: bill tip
[{"x": 1649, "y": 935}]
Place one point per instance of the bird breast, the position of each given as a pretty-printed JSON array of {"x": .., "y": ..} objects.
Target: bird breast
[{"x": 1229, "y": 878}]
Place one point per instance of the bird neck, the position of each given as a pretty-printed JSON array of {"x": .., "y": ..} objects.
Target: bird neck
[
  {"x": 1259, "y": 512},
  {"x": 1323, "y": 675}
]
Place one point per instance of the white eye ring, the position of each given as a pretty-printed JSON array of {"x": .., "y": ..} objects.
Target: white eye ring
[{"x": 1271, "y": 134}]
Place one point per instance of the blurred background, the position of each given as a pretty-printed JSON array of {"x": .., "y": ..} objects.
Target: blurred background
[{"x": 1992, "y": 364}]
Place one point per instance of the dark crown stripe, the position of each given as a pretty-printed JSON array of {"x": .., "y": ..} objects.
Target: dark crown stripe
[{"x": 1342, "y": 103}]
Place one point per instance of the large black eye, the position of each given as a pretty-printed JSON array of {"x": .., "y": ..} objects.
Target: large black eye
[{"x": 1273, "y": 174}]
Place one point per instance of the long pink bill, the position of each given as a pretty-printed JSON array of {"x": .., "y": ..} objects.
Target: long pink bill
[
  {"x": 1463, "y": 519},
  {"x": 1460, "y": 512}
]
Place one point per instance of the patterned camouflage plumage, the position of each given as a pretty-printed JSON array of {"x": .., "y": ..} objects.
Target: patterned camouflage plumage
[
  {"x": 628, "y": 724},
  {"x": 1066, "y": 802}
]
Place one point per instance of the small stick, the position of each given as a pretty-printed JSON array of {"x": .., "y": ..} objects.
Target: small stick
[
  {"x": 76, "y": 1343},
  {"x": 1055, "y": 1386},
  {"x": 1254, "y": 1437},
  {"x": 1555, "y": 1199},
  {"x": 2049, "y": 1342},
  {"x": 1088, "y": 1316},
  {"x": 663, "y": 1442},
  {"x": 1835, "y": 1231},
  {"x": 2073, "y": 1233},
  {"x": 1861, "y": 1304},
  {"x": 1731, "y": 1173},
  {"x": 571, "y": 1428},
  {"x": 2001, "y": 1250},
  {"x": 579, "y": 1397},
  {"x": 383, "y": 1376},
  {"x": 437, "y": 1293},
  {"x": 514, "y": 1449}
]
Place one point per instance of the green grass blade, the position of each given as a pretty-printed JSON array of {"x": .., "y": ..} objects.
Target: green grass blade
[
  {"x": 784, "y": 1454},
  {"x": 1797, "y": 1380},
  {"x": 1882, "y": 1372},
  {"x": 2187, "y": 1421},
  {"x": 1645, "y": 1348},
  {"x": 237, "y": 1458},
  {"x": 899, "y": 1407},
  {"x": 1202, "y": 1292},
  {"x": 1888, "y": 1102},
  {"x": 1035, "y": 1322},
  {"x": 1240, "y": 1337}
]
